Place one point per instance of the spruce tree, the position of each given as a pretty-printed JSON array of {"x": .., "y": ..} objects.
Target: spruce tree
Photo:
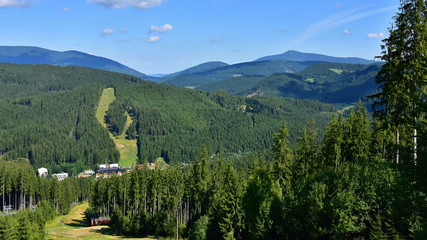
[
  {"x": 283, "y": 155},
  {"x": 331, "y": 151},
  {"x": 306, "y": 160},
  {"x": 402, "y": 80}
]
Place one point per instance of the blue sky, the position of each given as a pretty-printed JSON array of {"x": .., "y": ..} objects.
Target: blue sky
[{"x": 164, "y": 36}]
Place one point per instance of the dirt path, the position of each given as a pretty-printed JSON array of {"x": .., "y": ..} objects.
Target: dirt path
[{"x": 71, "y": 226}]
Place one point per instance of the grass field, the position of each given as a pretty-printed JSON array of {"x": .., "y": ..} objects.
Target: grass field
[
  {"x": 127, "y": 148},
  {"x": 338, "y": 71},
  {"x": 71, "y": 227},
  {"x": 106, "y": 99}
]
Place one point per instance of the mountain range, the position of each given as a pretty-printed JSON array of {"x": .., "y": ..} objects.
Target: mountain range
[
  {"x": 296, "y": 56},
  {"x": 36, "y": 55},
  {"x": 290, "y": 74}
]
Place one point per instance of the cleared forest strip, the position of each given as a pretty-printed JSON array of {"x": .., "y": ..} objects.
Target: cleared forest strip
[{"x": 127, "y": 148}]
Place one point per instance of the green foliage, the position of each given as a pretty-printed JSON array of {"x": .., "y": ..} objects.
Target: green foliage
[
  {"x": 261, "y": 192},
  {"x": 283, "y": 155},
  {"x": 263, "y": 68},
  {"x": 327, "y": 82},
  {"x": 22, "y": 190},
  {"x": 199, "y": 230},
  {"x": 174, "y": 123},
  {"x": 48, "y": 116},
  {"x": 115, "y": 118},
  {"x": 307, "y": 152}
]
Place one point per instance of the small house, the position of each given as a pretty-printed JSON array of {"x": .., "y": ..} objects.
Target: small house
[{"x": 43, "y": 172}]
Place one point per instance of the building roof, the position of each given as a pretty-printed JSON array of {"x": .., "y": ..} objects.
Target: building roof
[{"x": 110, "y": 170}]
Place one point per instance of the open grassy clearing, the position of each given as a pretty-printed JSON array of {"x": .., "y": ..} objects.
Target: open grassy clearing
[
  {"x": 127, "y": 148},
  {"x": 338, "y": 71},
  {"x": 71, "y": 226},
  {"x": 106, "y": 99}
]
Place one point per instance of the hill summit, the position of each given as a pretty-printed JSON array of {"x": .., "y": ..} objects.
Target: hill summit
[
  {"x": 36, "y": 55},
  {"x": 296, "y": 56}
]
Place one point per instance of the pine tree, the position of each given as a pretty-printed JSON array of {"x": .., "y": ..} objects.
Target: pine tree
[
  {"x": 284, "y": 158},
  {"x": 357, "y": 136},
  {"x": 331, "y": 152},
  {"x": 306, "y": 160},
  {"x": 402, "y": 80}
]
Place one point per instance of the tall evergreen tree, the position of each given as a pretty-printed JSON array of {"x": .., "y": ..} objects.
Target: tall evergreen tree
[
  {"x": 331, "y": 152},
  {"x": 306, "y": 159},
  {"x": 357, "y": 136},
  {"x": 402, "y": 80},
  {"x": 284, "y": 158}
]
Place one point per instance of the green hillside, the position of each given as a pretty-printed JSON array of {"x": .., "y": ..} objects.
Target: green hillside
[
  {"x": 36, "y": 55},
  {"x": 48, "y": 116},
  {"x": 336, "y": 83},
  {"x": 296, "y": 56},
  {"x": 263, "y": 68}
]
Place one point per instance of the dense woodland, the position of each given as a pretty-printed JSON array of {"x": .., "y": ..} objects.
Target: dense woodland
[
  {"x": 335, "y": 83},
  {"x": 32, "y": 200},
  {"x": 48, "y": 117},
  {"x": 345, "y": 186},
  {"x": 260, "y": 168}
]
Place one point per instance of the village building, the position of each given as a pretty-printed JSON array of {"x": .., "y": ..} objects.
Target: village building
[
  {"x": 60, "y": 176},
  {"x": 107, "y": 170},
  {"x": 43, "y": 172}
]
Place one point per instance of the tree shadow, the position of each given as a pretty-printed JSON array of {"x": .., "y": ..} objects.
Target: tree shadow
[
  {"x": 107, "y": 231},
  {"x": 77, "y": 223}
]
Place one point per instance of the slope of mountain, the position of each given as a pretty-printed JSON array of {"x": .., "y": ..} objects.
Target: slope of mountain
[
  {"x": 48, "y": 116},
  {"x": 326, "y": 82},
  {"x": 36, "y": 55},
  {"x": 261, "y": 68},
  {"x": 296, "y": 56},
  {"x": 204, "y": 67}
]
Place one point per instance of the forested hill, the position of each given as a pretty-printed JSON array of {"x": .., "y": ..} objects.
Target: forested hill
[
  {"x": 337, "y": 83},
  {"x": 262, "y": 68},
  {"x": 296, "y": 56},
  {"x": 36, "y": 55},
  {"x": 48, "y": 116}
]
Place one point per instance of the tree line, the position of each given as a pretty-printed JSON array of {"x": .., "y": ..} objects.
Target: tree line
[
  {"x": 340, "y": 187},
  {"x": 28, "y": 202}
]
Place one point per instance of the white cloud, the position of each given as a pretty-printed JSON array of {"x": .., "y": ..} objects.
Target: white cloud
[
  {"x": 66, "y": 9},
  {"x": 118, "y": 4},
  {"x": 108, "y": 31},
  {"x": 375, "y": 35},
  {"x": 14, "y": 3},
  {"x": 216, "y": 39},
  {"x": 165, "y": 28},
  {"x": 339, "y": 19},
  {"x": 345, "y": 32},
  {"x": 153, "y": 39}
]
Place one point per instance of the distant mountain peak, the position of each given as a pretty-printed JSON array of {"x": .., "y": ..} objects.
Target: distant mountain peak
[
  {"x": 37, "y": 55},
  {"x": 296, "y": 56}
]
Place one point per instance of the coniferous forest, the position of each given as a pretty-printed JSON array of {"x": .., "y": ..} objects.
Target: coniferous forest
[{"x": 238, "y": 168}]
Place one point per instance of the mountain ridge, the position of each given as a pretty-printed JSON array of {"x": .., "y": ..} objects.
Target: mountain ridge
[
  {"x": 38, "y": 55},
  {"x": 296, "y": 56}
]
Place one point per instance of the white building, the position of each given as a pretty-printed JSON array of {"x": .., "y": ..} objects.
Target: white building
[
  {"x": 43, "y": 172},
  {"x": 89, "y": 172},
  {"x": 60, "y": 176}
]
